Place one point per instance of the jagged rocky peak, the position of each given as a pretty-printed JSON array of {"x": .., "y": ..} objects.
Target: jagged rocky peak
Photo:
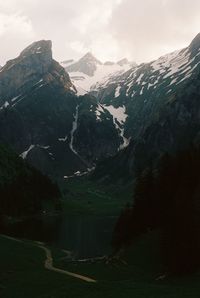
[
  {"x": 66, "y": 63},
  {"x": 33, "y": 66},
  {"x": 195, "y": 44},
  {"x": 37, "y": 55},
  {"x": 87, "y": 65},
  {"x": 123, "y": 61},
  {"x": 109, "y": 63},
  {"x": 42, "y": 47},
  {"x": 89, "y": 57}
]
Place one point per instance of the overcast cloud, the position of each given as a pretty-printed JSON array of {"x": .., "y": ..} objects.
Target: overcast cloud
[{"x": 112, "y": 29}]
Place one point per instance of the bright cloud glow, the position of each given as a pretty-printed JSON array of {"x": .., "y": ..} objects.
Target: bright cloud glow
[
  {"x": 15, "y": 23},
  {"x": 111, "y": 29}
]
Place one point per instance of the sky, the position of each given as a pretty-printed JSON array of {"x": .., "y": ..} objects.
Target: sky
[{"x": 141, "y": 30}]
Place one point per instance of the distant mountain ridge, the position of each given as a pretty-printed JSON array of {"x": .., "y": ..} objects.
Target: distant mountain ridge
[
  {"x": 128, "y": 117},
  {"x": 87, "y": 64},
  {"x": 88, "y": 70}
]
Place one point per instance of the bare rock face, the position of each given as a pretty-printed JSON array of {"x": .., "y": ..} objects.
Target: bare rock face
[
  {"x": 195, "y": 45},
  {"x": 45, "y": 122},
  {"x": 87, "y": 64},
  {"x": 123, "y": 61},
  {"x": 35, "y": 64},
  {"x": 162, "y": 104}
]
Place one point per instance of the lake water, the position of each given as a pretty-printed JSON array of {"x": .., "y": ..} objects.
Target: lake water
[{"x": 85, "y": 236}]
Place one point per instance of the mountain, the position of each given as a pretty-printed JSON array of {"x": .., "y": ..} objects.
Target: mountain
[
  {"x": 126, "y": 120},
  {"x": 30, "y": 71},
  {"x": 161, "y": 101},
  {"x": 87, "y": 65},
  {"x": 88, "y": 70},
  {"x": 44, "y": 120},
  {"x": 23, "y": 189}
]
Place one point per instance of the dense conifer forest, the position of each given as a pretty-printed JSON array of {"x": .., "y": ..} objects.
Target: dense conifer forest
[{"x": 167, "y": 198}]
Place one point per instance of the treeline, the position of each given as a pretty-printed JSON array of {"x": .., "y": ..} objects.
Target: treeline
[
  {"x": 23, "y": 189},
  {"x": 167, "y": 198}
]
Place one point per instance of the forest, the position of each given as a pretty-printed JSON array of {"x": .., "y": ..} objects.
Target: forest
[{"x": 167, "y": 199}]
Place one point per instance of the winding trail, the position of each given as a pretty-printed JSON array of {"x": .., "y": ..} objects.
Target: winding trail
[
  {"x": 11, "y": 238},
  {"x": 49, "y": 265}
]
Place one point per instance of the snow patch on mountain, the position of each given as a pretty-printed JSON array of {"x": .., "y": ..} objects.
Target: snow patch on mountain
[
  {"x": 168, "y": 70},
  {"x": 117, "y": 91},
  {"x": 119, "y": 119},
  {"x": 88, "y": 71},
  {"x": 80, "y": 174},
  {"x": 99, "y": 111},
  {"x": 15, "y": 98},
  {"x": 5, "y": 105},
  {"x": 118, "y": 113},
  {"x": 85, "y": 83},
  {"x": 139, "y": 78},
  {"x": 25, "y": 153},
  {"x": 63, "y": 139},
  {"x": 125, "y": 142},
  {"x": 74, "y": 128}
]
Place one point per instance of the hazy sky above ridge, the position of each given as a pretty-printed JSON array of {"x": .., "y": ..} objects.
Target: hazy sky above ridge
[{"x": 140, "y": 30}]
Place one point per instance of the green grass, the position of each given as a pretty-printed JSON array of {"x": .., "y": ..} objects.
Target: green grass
[
  {"x": 82, "y": 196},
  {"x": 142, "y": 263},
  {"x": 22, "y": 275},
  {"x": 22, "y": 272}
]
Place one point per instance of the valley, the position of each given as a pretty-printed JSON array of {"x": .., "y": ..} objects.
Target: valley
[
  {"x": 138, "y": 278},
  {"x": 99, "y": 160}
]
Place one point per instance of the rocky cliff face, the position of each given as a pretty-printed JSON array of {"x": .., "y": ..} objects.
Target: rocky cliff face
[
  {"x": 88, "y": 70},
  {"x": 146, "y": 89},
  {"x": 33, "y": 67},
  {"x": 161, "y": 99},
  {"x": 87, "y": 65},
  {"x": 135, "y": 116},
  {"x": 44, "y": 120}
]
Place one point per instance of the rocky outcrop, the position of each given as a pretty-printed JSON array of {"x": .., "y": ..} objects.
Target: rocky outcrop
[
  {"x": 123, "y": 61},
  {"x": 33, "y": 67},
  {"x": 87, "y": 65},
  {"x": 195, "y": 45},
  {"x": 44, "y": 120},
  {"x": 162, "y": 104}
]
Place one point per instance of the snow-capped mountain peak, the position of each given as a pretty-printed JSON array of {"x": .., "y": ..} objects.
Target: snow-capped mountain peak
[
  {"x": 123, "y": 61},
  {"x": 90, "y": 58},
  {"x": 163, "y": 75},
  {"x": 88, "y": 71},
  {"x": 87, "y": 65}
]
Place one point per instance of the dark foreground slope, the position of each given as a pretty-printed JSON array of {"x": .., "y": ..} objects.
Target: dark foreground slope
[
  {"x": 23, "y": 189},
  {"x": 23, "y": 275}
]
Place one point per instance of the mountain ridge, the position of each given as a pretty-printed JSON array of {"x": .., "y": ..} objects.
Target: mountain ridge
[
  {"x": 161, "y": 101},
  {"x": 63, "y": 133},
  {"x": 46, "y": 122},
  {"x": 88, "y": 70}
]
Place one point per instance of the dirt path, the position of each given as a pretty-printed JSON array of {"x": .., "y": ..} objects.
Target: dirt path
[
  {"x": 49, "y": 265},
  {"x": 11, "y": 238}
]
